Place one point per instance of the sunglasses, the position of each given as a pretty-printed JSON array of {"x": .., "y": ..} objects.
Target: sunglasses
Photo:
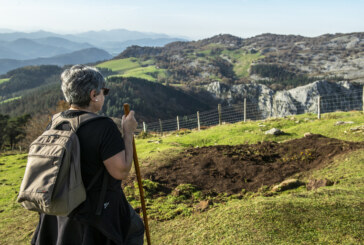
[{"x": 105, "y": 90}]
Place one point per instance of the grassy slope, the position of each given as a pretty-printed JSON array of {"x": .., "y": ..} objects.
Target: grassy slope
[
  {"x": 252, "y": 132},
  {"x": 329, "y": 215},
  {"x": 241, "y": 61},
  {"x": 17, "y": 224},
  {"x": 4, "y": 80},
  {"x": 133, "y": 67},
  {"x": 121, "y": 65},
  {"x": 11, "y": 99}
]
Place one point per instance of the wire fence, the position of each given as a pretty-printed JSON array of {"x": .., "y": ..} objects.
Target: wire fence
[{"x": 346, "y": 101}]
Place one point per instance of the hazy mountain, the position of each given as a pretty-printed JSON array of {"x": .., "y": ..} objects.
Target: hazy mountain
[
  {"x": 30, "y": 49},
  {"x": 46, "y": 44},
  {"x": 63, "y": 43},
  {"x": 118, "y": 35},
  {"x": 5, "y": 30},
  {"x": 12, "y": 36},
  {"x": 84, "y": 56},
  {"x": 116, "y": 48},
  {"x": 5, "y": 53}
]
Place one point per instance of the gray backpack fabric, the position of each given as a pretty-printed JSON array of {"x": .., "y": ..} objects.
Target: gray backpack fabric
[{"x": 52, "y": 182}]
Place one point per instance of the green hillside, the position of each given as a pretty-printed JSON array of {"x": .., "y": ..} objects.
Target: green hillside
[
  {"x": 3, "y": 80},
  {"x": 328, "y": 215},
  {"x": 134, "y": 67},
  {"x": 198, "y": 65}
]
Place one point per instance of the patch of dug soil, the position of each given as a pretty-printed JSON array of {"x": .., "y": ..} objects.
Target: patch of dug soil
[{"x": 230, "y": 169}]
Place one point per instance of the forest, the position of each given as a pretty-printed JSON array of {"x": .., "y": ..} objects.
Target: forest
[{"x": 12, "y": 130}]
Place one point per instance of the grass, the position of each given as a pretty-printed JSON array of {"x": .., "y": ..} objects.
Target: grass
[
  {"x": 120, "y": 65},
  {"x": 16, "y": 224},
  {"x": 4, "y": 80},
  {"x": 150, "y": 73},
  {"x": 253, "y": 131},
  {"x": 9, "y": 100},
  {"x": 241, "y": 60},
  {"x": 329, "y": 215},
  {"x": 243, "y": 63},
  {"x": 134, "y": 67}
]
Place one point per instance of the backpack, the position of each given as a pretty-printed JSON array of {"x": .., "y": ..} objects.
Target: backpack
[{"x": 52, "y": 182}]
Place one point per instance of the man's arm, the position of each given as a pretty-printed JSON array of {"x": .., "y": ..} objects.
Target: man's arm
[{"x": 120, "y": 164}]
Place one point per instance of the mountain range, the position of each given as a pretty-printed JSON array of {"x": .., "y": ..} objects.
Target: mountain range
[
  {"x": 272, "y": 59},
  {"x": 221, "y": 69},
  {"x": 19, "y": 48}
]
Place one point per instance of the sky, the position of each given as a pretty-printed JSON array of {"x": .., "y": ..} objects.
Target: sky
[{"x": 195, "y": 19}]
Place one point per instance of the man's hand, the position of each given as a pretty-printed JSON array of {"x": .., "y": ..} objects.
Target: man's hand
[{"x": 129, "y": 124}]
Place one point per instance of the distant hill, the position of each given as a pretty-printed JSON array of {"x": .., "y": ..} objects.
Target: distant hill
[
  {"x": 279, "y": 61},
  {"x": 113, "y": 41},
  {"x": 29, "y": 49},
  {"x": 28, "y": 78},
  {"x": 63, "y": 43},
  {"x": 84, "y": 56},
  {"x": 151, "y": 100}
]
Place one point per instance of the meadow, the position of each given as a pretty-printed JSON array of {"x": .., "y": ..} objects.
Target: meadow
[{"x": 328, "y": 215}]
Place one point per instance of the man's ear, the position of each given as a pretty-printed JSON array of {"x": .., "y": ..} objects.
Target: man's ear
[{"x": 93, "y": 94}]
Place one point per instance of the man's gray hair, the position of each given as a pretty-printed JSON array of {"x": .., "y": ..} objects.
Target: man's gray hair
[{"x": 78, "y": 82}]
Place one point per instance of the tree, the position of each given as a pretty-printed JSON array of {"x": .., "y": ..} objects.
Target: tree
[
  {"x": 15, "y": 130},
  {"x": 3, "y": 123}
]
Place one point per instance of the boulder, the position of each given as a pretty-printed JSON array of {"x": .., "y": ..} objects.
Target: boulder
[
  {"x": 308, "y": 134},
  {"x": 203, "y": 205},
  {"x": 341, "y": 123},
  {"x": 317, "y": 183},
  {"x": 287, "y": 185},
  {"x": 274, "y": 131}
]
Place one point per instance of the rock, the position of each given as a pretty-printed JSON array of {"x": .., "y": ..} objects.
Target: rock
[
  {"x": 341, "y": 122},
  {"x": 203, "y": 205},
  {"x": 357, "y": 128},
  {"x": 317, "y": 183},
  {"x": 287, "y": 185},
  {"x": 155, "y": 141},
  {"x": 274, "y": 131},
  {"x": 308, "y": 134},
  {"x": 269, "y": 103}
]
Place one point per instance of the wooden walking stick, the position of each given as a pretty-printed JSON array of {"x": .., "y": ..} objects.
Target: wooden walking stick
[{"x": 139, "y": 178}]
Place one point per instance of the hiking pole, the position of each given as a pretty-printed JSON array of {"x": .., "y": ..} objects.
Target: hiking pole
[{"x": 139, "y": 178}]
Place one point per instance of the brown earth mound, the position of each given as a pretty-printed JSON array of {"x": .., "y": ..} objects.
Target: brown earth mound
[{"x": 229, "y": 169}]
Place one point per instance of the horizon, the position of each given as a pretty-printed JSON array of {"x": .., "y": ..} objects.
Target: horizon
[
  {"x": 3, "y": 31},
  {"x": 192, "y": 20}
]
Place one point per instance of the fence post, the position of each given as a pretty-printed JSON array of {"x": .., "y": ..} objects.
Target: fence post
[
  {"x": 177, "y": 123},
  {"x": 198, "y": 121},
  {"x": 161, "y": 127},
  {"x": 244, "y": 109},
  {"x": 363, "y": 98},
  {"x": 219, "y": 111},
  {"x": 319, "y": 107},
  {"x": 144, "y": 127}
]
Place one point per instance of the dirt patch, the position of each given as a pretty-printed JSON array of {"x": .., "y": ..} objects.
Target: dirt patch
[{"x": 229, "y": 169}]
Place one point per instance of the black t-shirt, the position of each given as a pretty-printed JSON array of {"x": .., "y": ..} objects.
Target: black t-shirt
[{"x": 99, "y": 140}]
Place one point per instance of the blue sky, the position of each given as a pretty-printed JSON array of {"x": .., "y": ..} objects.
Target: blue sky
[{"x": 195, "y": 19}]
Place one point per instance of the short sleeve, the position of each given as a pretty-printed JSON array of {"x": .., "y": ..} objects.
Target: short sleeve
[{"x": 111, "y": 140}]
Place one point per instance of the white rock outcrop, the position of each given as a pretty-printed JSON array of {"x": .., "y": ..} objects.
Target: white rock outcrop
[{"x": 269, "y": 103}]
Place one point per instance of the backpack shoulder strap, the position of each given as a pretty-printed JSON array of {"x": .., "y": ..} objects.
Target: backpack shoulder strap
[{"x": 75, "y": 122}]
